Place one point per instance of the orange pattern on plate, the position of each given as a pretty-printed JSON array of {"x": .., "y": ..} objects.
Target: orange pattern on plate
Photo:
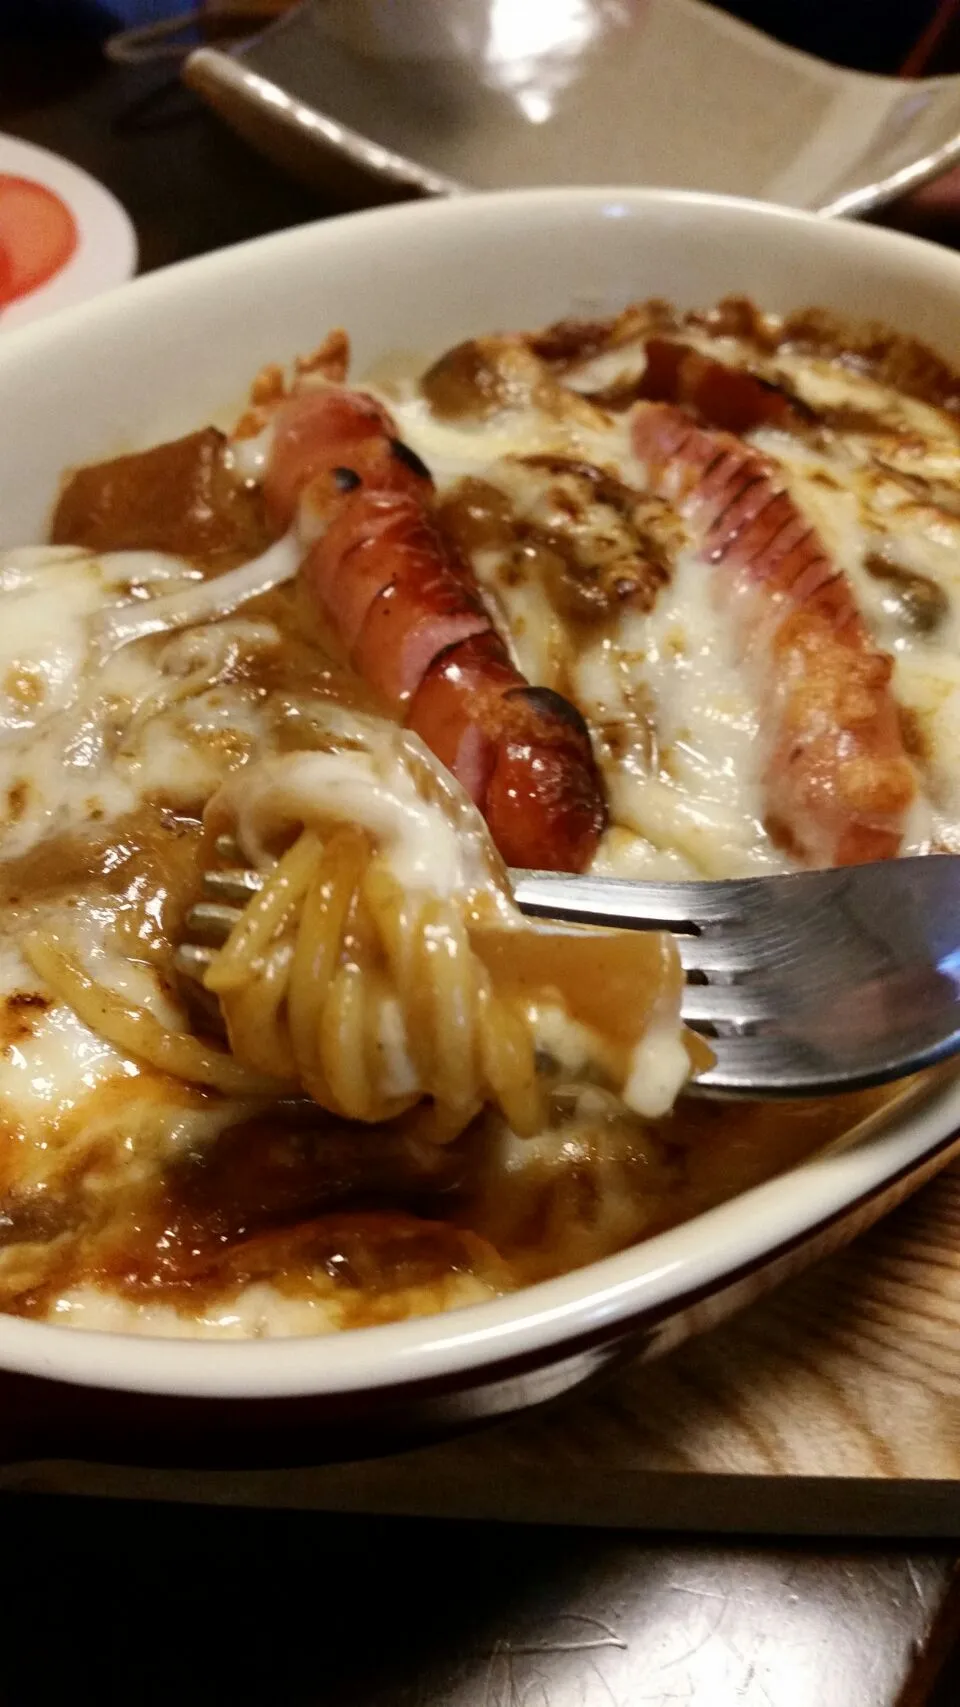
[{"x": 38, "y": 235}]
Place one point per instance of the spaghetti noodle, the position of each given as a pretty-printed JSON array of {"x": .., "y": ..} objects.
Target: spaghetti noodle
[
  {"x": 369, "y": 996},
  {"x": 383, "y": 960},
  {"x": 133, "y": 1029}
]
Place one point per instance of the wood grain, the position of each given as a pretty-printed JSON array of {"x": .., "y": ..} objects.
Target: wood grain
[{"x": 834, "y": 1404}]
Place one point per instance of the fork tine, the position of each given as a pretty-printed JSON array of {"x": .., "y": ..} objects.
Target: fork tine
[
  {"x": 806, "y": 984},
  {"x": 725, "y": 956},
  {"x": 725, "y": 1004},
  {"x": 701, "y": 915},
  {"x": 211, "y": 922},
  {"x": 763, "y": 1066},
  {"x": 230, "y": 888},
  {"x": 192, "y": 960},
  {"x": 238, "y": 883},
  {"x": 616, "y": 901}
]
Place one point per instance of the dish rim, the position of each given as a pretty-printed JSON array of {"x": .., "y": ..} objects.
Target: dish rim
[
  {"x": 612, "y": 200},
  {"x": 654, "y": 1278}
]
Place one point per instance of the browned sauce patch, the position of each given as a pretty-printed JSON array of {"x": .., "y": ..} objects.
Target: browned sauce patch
[
  {"x": 18, "y": 1015},
  {"x": 870, "y": 348},
  {"x": 478, "y": 379},
  {"x": 322, "y": 1212},
  {"x": 567, "y": 343},
  {"x": 178, "y": 497},
  {"x": 702, "y": 1155},
  {"x": 588, "y": 577},
  {"x": 918, "y": 604}
]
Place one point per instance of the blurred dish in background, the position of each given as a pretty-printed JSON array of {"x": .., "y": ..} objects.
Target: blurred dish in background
[
  {"x": 375, "y": 100},
  {"x": 63, "y": 237},
  {"x": 166, "y": 29}
]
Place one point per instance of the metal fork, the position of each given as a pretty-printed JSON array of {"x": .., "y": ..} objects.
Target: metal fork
[{"x": 816, "y": 982}]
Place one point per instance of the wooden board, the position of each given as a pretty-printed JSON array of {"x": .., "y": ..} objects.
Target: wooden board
[{"x": 832, "y": 1405}]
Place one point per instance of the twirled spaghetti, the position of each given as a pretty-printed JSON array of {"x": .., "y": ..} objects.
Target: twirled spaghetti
[
  {"x": 383, "y": 960},
  {"x": 371, "y": 997}
]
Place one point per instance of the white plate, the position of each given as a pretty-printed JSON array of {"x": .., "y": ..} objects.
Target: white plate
[
  {"x": 106, "y": 250},
  {"x": 178, "y": 348}
]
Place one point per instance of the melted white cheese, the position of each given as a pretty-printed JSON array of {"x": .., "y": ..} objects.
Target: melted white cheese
[
  {"x": 690, "y": 788},
  {"x": 84, "y": 736},
  {"x": 65, "y": 1091},
  {"x": 201, "y": 603},
  {"x": 659, "y": 1069},
  {"x": 258, "y": 1311},
  {"x": 248, "y": 457},
  {"x": 452, "y": 451},
  {"x": 87, "y": 733},
  {"x": 428, "y": 847},
  {"x": 55, "y": 1063}
]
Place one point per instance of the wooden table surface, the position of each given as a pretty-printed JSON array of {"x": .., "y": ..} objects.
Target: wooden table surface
[{"x": 150, "y": 1602}]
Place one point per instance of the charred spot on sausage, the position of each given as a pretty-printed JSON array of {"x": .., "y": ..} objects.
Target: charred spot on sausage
[
  {"x": 550, "y": 704},
  {"x": 410, "y": 459},
  {"x": 346, "y": 479}
]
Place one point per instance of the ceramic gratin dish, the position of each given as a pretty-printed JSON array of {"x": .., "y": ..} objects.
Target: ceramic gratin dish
[{"x": 159, "y": 356}]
